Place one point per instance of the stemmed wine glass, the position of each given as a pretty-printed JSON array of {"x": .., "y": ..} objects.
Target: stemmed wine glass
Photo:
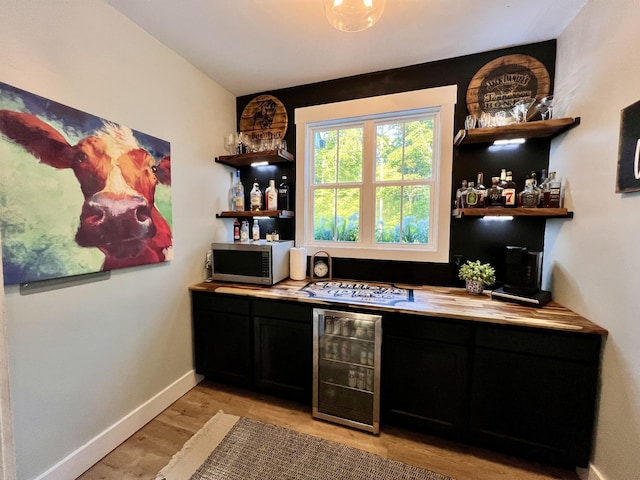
[
  {"x": 521, "y": 109},
  {"x": 545, "y": 107}
]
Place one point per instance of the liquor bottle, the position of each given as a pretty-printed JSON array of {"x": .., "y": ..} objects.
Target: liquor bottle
[
  {"x": 503, "y": 178},
  {"x": 244, "y": 231},
  {"x": 542, "y": 185},
  {"x": 509, "y": 191},
  {"x": 256, "y": 196},
  {"x": 459, "y": 194},
  {"x": 238, "y": 198},
  {"x": 255, "y": 230},
  {"x": 552, "y": 192},
  {"x": 236, "y": 230},
  {"x": 271, "y": 196},
  {"x": 534, "y": 181},
  {"x": 530, "y": 196},
  {"x": 482, "y": 190},
  {"x": 283, "y": 194},
  {"x": 232, "y": 192},
  {"x": 470, "y": 197},
  {"x": 494, "y": 196}
]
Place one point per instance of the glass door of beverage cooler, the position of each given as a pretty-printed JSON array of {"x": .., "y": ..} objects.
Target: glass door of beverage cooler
[{"x": 346, "y": 370}]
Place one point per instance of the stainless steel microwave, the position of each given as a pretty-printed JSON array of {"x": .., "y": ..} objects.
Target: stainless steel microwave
[{"x": 262, "y": 262}]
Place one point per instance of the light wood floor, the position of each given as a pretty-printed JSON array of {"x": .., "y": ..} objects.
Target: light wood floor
[{"x": 151, "y": 448}]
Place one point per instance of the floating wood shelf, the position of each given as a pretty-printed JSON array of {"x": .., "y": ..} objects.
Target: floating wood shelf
[
  {"x": 256, "y": 213},
  {"x": 515, "y": 212},
  {"x": 538, "y": 129},
  {"x": 246, "y": 159}
]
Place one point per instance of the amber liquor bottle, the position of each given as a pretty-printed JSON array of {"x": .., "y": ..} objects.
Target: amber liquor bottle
[
  {"x": 494, "y": 196},
  {"x": 482, "y": 190},
  {"x": 552, "y": 194},
  {"x": 509, "y": 192},
  {"x": 459, "y": 194},
  {"x": 470, "y": 197}
]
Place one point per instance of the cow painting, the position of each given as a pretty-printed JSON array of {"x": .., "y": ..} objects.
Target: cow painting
[{"x": 117, "y": 172}]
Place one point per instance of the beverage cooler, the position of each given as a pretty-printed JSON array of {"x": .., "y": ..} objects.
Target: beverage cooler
[{"x": 346, "y": 368}]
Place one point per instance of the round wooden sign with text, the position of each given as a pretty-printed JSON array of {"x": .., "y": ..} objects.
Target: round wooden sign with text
[
  {"x": 499, "y": 84},
  {"x": 264, "y": 117}
]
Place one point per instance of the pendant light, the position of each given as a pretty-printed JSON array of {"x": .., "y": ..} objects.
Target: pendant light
[{"x": 353, "y": 15}]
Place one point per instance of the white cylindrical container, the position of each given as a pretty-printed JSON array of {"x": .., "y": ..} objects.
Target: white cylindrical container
[{"x": 298, "y": 263}]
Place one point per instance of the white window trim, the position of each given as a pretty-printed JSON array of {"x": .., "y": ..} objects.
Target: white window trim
[{"x": 442, "y": 97}]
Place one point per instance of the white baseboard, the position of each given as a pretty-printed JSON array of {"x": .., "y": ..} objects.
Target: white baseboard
[
  {"x": 90, "y": 453},
  {"x": 591, "y": 473}
]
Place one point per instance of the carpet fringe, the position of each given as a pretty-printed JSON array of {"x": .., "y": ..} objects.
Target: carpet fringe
[{"x": 196, "y": 450}]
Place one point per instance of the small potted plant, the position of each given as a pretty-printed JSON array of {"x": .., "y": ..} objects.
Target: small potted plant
[{"x": 476, "y": 275}]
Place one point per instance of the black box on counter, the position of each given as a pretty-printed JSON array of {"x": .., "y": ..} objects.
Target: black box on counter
[{"x": 539, "y": 299}]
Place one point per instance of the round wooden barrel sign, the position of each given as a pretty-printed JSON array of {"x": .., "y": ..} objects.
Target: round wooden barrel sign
[
  {"x": 499, "y": 84},
  {"x": 264, "y": 117}
]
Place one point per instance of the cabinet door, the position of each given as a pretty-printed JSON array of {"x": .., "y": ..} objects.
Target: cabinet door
[
  {"x": 425, "y": 384},
  {"x": 535, "y": 406},
  {"x": 222, "y": 338},
  {"x": 283, "y": 347}
]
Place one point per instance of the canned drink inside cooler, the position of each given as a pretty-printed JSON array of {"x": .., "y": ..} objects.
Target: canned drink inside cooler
[
  {"x": 353, "y": 377},
  {"x": 361, "y": 379},
  {"x": 328, "y": 325},
  {"x": 369, "y": 379},
  {"x": 345, "y": 351}
]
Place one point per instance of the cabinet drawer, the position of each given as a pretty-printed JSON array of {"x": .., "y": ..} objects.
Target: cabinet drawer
[
  {"x": 220, "y": 303},
  {"x": 427, "y": 328},
  {"x": 282, "y": 310},
  {"x": 569, "y": 346}
]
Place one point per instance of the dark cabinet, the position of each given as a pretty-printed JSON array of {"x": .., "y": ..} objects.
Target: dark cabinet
[
  {"x": 527, "y": 391},
  {"x": 534, "y": 393},
  {"x": 222, "y": 337},
  {"x": 259, "y": 344},
  {"x": 426, "y": 368},
  {"x": 282, "y": 334}
]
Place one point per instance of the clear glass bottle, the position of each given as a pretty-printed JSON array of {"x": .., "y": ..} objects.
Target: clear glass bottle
[
  {"x": 470, "y": 197},
  {"x": 255, "y": 230},
  {"x": 256, "y": 196},
  {"x": 459, "y": 194},
  {"x": 530, "y": 196},
  {"x": 244, "y": 232},
  {"x": 509, "y": 192},
  {"x": 283, "y": 194},
  {"x": 271, "y": 196},
  {"x": 552, "y": 195},
  {"x": 232, "y": 192},
  {"x": 494, "y": 196},
  {"x": 238, "y": 197},
  {"x": 482, "y": 190}
]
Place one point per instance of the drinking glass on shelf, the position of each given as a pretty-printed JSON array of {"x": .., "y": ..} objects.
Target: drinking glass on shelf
[
  {"x": 545, "y": 107},
  {"x": 486, "y": 120},
  {"x": 522, "y": 106},
  {"x": 230, "y": 144},
  {"x": 470, "y": 122}
]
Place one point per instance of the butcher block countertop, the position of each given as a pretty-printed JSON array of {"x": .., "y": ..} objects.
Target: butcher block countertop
[{"x": 443, "y": 302}]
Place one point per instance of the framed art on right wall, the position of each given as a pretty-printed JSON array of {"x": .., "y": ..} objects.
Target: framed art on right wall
[{"x": 628, "y": 178}]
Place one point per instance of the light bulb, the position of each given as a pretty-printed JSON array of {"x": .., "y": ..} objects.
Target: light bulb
[{"x": 353, "y": 15}]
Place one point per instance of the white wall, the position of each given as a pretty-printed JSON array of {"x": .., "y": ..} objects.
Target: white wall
[
  {"x": 82, "y": 358},
  {"x": 594, "y": 259}
]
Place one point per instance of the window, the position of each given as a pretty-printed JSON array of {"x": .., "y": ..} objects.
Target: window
[{"x": 376, "y": 176}]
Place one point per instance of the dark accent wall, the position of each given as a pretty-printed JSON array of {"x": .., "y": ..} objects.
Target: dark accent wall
[{"x": 471, "y": 238}]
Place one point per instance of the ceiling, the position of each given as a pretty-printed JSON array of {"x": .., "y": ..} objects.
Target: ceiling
[{"x": 251, "y": 46}]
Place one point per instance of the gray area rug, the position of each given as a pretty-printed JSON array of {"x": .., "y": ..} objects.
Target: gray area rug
[{"x": 255, "y": 450}]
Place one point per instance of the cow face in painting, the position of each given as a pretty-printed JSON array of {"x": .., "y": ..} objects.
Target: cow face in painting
[{"x": 118, "y": 180}]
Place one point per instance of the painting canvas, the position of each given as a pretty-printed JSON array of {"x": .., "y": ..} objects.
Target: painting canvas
[
  {"x": 78, "y": 194},
  {"x": 628, "y": 179}
]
